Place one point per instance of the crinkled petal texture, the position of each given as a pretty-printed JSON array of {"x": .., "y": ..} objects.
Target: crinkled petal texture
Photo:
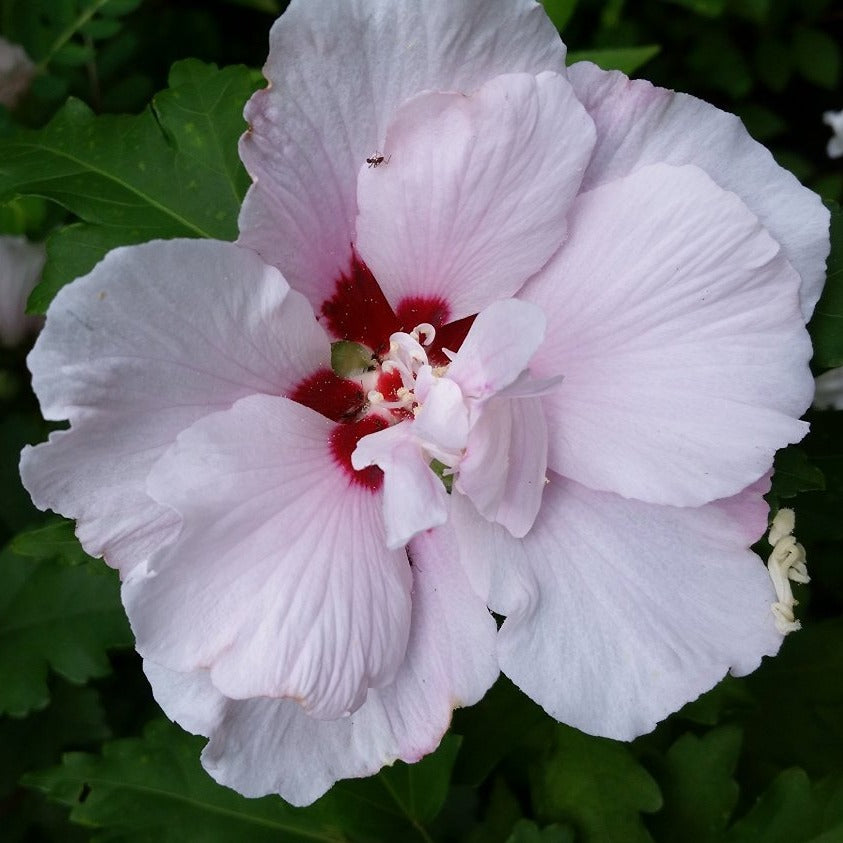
[
  {"x": 617, "y": 611},
  {"x": 272, "y": 602},
  {"x": 261, "y": 746},
  {"x": 21, "y": 263},
  {"x": 154, "y": 338},
  {"x": 675, "y": 321},
  {"x": 639, "y": 124},
  {"x": 474, "y": 193},
  {"x": 338, "y": 71}
]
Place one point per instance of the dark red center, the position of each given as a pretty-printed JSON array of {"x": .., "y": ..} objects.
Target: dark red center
[
  {"x": 358, "y": 311},
  {"x": 344, "y": 440}
]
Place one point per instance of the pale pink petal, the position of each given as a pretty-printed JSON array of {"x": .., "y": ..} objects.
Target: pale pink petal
[
  {"x": 17, "y": 71},
  {"x": 338, "y": 71},
  {"x": 498, "y": 348},
  {"x": 619, "y": 612},
  {"x": 262, "y": 746},
  {"x": 829, "y": 394},
  {"x": 675, "y": 321},
  {"x": 503, "y": 471},
  {"x": 443, "y": 417},
  {"x": 414, "y": 498},
  {"x": 21, "y": 263},
  {"x": 473, "y": 193},
  {"x": 155, "y": 337},
  {"x": 639, "y": 124},
  {"x": 279, "y": 580}
]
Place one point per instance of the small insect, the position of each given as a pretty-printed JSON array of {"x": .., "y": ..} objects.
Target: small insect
[{"x": 377, "y": 159}]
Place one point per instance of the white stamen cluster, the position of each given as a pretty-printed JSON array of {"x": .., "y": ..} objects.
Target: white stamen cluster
[
  {"x": 787, "y": 563},
  {"x": 406, "y": 356}
]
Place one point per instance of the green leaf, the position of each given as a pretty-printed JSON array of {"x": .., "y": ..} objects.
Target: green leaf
[
  {"x": 508, "y": 714},
  {"x": 799, "y": 715},
  {"x": 827, "y": 325},
  {"x": 625, "y": 59},
  {"x": 16, "y": 512},
  {"x": 56, "y": 616},
  {"x": 792, "y": 474},
  {"x": 172, "y": 171},
  {"x": 526, "y": 831},
  {"x": 728, "y": 697},
  {"x": 50, "y": 31},
  {"x": 73, "y": 718},
  {"x": 697, "y": 785},
  {"x": 56, "y": 541},
  {"x": 398, "y": 802},
  {"x": 74, "y": 250},
  {"x": 707, "y": 8},
  {"x": 794, "y": 810},
  {"x": 560, "y": 11},
  {"x": 596, "y": 785},
  {"x": 502, "y": 812},
  {"x": 153, "y": 788},
  {"x": 817, "y": 57}
]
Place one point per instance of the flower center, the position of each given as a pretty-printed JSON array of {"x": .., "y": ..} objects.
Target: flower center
[{"x": 396, "y": 381}]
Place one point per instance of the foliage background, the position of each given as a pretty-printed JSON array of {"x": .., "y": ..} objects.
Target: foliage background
[{"x": 84, "y": 752}]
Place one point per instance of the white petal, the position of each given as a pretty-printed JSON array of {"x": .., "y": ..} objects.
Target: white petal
[
  {"x": 472, "y": 198},
  {"x": 17, "y": 70},
  {"x": 503, "y": 471},
  {"x": 155, "y": 337},
  {"x": 276, "y": 601},
  {"x": 21, "y": 263},
  {"x": 414, "y": 498},
  {"x": 265, "y": 746},
  {"x": 619, "y": 612},
  {"x": 443, "y": 418},
  {"x": 675, "y": 321},
  {"x": 638, "y": 124},
  {"x": 338, "y": 70},
  {"x": 829, "y": 394},
  {"x": 498, "y": 348}
]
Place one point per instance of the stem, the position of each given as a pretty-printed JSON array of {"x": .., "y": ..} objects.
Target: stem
[{"x": 69, "y": 32}]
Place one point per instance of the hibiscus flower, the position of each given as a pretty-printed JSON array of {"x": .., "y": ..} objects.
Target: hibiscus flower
[
  {"x": 497, "y": 335},
  {"x": 21, "y": 263},
  {"x": 16, "y": 72}
]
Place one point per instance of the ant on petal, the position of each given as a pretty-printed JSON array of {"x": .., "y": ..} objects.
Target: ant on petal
[{"x": 377, "y": 159}]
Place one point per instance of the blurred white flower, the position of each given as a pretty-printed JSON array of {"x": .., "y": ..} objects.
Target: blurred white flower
[
  {"x": 835, "y": 144},
  {"x": 16, "y": 72},
  {"x": 829, "y": 394},
  {"x": 21, "y": 263}
]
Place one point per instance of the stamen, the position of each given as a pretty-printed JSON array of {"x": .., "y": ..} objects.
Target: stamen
[
  {"x": 426, "y": 330},
  {"x": 787, "y": 563},
  {"x": 375, "y": 397}
]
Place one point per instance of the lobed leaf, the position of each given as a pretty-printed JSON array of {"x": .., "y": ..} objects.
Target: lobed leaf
[
  {"x": 596, "y": 785},
  {"x": 171, "y": 171},
  {"x": 154, "y": 787},
  {"x": 52, "y": 615},
  {"x": 57, "y": 541},
  {"x": 697, "y": 785},
  {"x": 794, "y": 810}
]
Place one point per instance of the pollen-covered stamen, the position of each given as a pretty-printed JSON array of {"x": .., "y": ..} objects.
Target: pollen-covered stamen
[
  {"x": 787, "y": 563},
  {"x": 405, "y": 360}
]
